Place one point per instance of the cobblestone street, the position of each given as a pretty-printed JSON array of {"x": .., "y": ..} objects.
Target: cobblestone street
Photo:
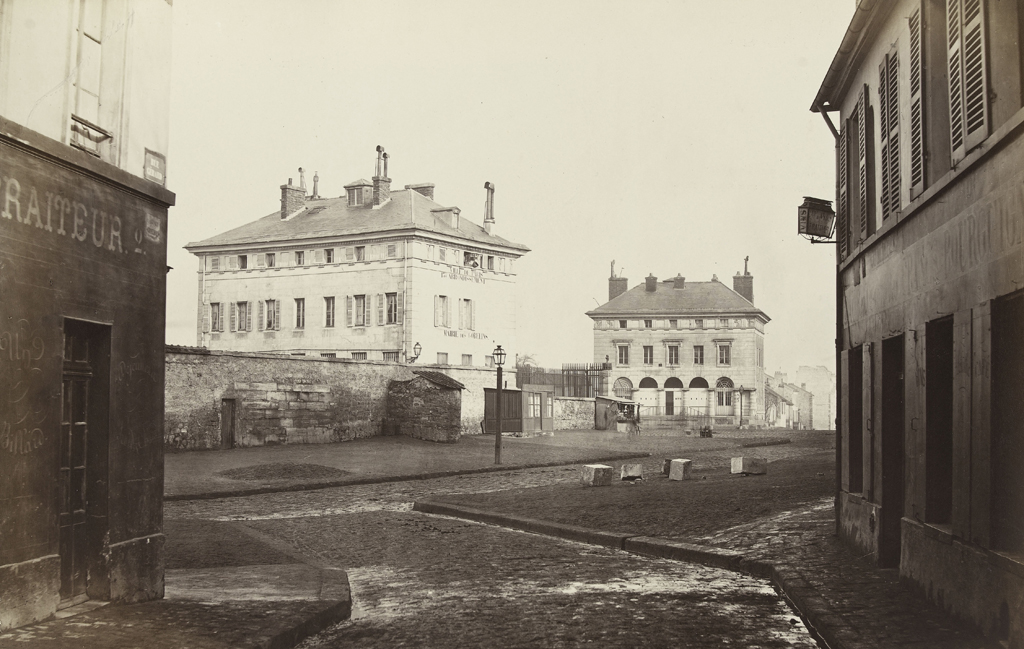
[{"x": 427, "y": 581}]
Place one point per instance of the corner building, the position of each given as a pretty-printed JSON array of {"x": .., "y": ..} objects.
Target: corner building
[
  {"x": 927, "y": 95},
  {"x": 374, "y": 274},
  {"x": 84, "y": 98},
  {"x": 680, "y": 347}
]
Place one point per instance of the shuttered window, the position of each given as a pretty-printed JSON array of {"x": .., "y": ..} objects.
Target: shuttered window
[
  {"x": 300, "y": 313},
  {"x": 968, "y": 83},
  {"x": 889, "y": 132},
  {"x": 864, "y": 167},
  {"x": 329, "y": 311},
  {"x": 206, "y": 318},
  {"x": 380, "y": 308},
  {"x": 916, "y": 106},
  {"x": 442, "y": 316},
  {"x": 843, "y": 211}
]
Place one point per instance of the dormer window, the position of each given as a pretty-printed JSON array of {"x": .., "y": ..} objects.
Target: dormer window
[{"x": 354, "y": 197}]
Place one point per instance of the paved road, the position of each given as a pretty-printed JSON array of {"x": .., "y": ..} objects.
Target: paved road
[{"x": 426, "y": 581}]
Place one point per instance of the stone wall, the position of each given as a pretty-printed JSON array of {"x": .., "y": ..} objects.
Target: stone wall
[
  {"x": 422, "y": 409},
  {"x": 292, "y": 400},
  {"x": 573, "y": 413}
]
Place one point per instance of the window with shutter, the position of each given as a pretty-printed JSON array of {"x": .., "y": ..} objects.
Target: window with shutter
[
  {"x": 248, "y": 316},
  {"x": 348, "y": 310},
  {"x": 319, "y": 257},
  {"x": 243, "y": 262},
  {"x": 889, "y": 133},
  {"x": 968, "y": 83},
  {"x": 472, "y": 315},
  {"x": 216, "y": 317},
  {"x": 259, "y": 314},
  {"x": 329, "y": 255},
  {"x": 399, "y": 307},
  {"x": 916, "y": 116},
  {"x": 277, "y": 315},
  {"x": 843, "y": 211},
  {"x": 437, "y": 310},
  {"x": 300, "y": 313},
  {"x": 260, "y": 261},
  {"x": 380, "y": 308},
  {"x": 234, "y": 317},
  {"x": 329, "y": 311},
  {"x": 206, "y": 318},
  {"x": 864, "y": 170}
]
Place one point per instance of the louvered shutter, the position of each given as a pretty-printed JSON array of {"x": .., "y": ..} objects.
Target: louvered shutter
[
  {"x": 206, "y": 318},
  {"x": 975, "y": 75},
  {"x": 234, "y": 316},
  {"x": 954, "y": 58},
  {"x": 319, "y": 256},
  {"x": 348, "y": 310},
  {"x": 277, "y": 315},
  {"x": 916, "y": 106},
  {"x": 865, "y": 177},
  {"x": 448, "y": 312},
  {"x": 260, "y": 260},
  {"x": 462, "y": 311},
  {"x": 233, "y": 262},
  {"x": 381, "y": 299},
  {"x": 248, "y": 316},
  {"x": 883, "y": 133},
  {"x": 399, "y": 307},
  {"x": 437, "y": 310},
  {"x": 259, "y": 314},
  {"x": 472, "y": 315},
  {"x": 843, "y": 215},
  {"x": 889, "y": 134}
]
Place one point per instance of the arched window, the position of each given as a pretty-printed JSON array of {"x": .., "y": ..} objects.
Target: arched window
[
  {"x": 648, "y": 382},
  {"x": 673, "y": 384},
  {"x": 724, "y": 383},
  {"x": 623, "y": 388},
  {"x": 699, "y": 382}
]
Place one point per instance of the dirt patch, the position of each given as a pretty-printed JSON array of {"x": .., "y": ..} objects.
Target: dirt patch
[{"x": 283, "y": 471}]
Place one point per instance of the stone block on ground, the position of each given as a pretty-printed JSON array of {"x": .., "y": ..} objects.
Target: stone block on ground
[
  {"x": 666, "y": 465},
  {"x": 680, "y": 469},
  {"x": 596, "y": 475},
  {"x": 750, "y": 465},
  {"x": 632, "y": 472}
]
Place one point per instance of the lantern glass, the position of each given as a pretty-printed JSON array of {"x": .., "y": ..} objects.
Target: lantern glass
[
  {"x": 417, "y": 348},
  {"x": 499, "y": 356}
]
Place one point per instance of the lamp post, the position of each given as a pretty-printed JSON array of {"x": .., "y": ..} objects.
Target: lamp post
[
  {"x": 499, "y": 360},
  {"x": 417, "y": 348}
]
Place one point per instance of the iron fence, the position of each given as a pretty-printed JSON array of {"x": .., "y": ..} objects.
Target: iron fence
[{"x": 586, "y": 380}]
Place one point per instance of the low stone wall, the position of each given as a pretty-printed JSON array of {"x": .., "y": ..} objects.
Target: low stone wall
[
  {"x": 288, "y": 400},
  {"x": 574, "y": 413}
]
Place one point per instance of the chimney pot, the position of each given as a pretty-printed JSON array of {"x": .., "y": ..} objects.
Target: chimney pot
[
  {"x": 744, "y": 284},
  {"x": 489, "y": 207},
  {"x": 616, "y": 285},
  {"x": 652, "y": 283},
  {"x": 424, "y": 189}
]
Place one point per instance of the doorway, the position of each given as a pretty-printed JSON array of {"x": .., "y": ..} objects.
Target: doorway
[
  {"x": 893, "y": 432},
  {"x": 227, "y": 423},
  {"x": 670, "y": 402},
  {"x": 82, "y": 515}
]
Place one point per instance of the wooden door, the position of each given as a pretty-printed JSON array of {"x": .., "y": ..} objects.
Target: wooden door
[
  {"x": 227, "y": 423},
  {"x": 670, "y": 403},
  {"x": 74, "y": 440}
]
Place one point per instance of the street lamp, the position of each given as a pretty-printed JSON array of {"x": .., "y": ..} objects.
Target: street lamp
[
  {"x": 499, "y": 360},
  {"x": 417, "y": 348}
]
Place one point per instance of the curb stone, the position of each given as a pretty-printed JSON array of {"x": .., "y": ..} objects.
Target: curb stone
[
  {"x": 255, "y": 491},
  {"x": 824, "y": 625}
]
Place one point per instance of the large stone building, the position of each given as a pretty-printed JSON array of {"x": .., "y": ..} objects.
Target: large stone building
[
  {"x": 374, "y": 274},
  {"x": 821, "y": 381},
  {"x": 927, "y": 98},
  {"x": 679, "y": 346},
  {"x": 84, "y": 98}
]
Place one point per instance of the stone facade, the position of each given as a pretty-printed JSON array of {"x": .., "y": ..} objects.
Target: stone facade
[
  {"x": 290, "y": 400},
  {"x": 573, "y": 413},
  {"x": 422, "y": 409},
  {"x": 929, "y": 272},
  {"x": 821, "y": 382}
]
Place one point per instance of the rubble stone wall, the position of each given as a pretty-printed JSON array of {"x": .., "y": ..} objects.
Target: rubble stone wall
[{"x": 574, "y": 413}]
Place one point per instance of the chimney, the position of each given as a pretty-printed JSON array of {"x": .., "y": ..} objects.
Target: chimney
[
  {"x": 652, "y": 284},
  {"x": 293, "y": 199},
  {"x": 381, "y": 182},
  {"x": 489, "y": 207},
  {"x": 424, "y": 189},
  {"x": 744, "y": 284},
  {"x": 679, "y": 282},
  {"x": 316, "y": 192},
  {"x": 616, "y": 285}
]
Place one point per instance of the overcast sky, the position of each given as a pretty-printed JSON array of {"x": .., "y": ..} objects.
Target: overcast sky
[{"x": 672, "y": 137}]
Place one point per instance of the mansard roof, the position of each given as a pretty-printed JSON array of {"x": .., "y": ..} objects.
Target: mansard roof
[
  {"x": 694, "y": 299},
  {"x": 333, "y": 217}
]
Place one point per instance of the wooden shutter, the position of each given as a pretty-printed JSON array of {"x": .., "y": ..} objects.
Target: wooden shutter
[
  {"x": 206, "y": 318},
  {"x": 259, "y": 314},
  {"x": 448, "y": 312},
  {"x": 437, "y": 310},
  {"x": 975, "y": 75},
  {"x": 472, "y": 315},
  {"x": 319, "y": 256},
  {"x": 260, "y": 259},
  {"x": 233, "y": 262},
  {"x": 462, "y": 310},
  {"x": 889, "y": 133},
  {"x": 248, "y": 316},
  {"x": 863, "y": 170},
  {"x": 916, "y": 106},
  {"x": 277, "y": 315},
  {"x": 349, "y": 301},
  {"x": 381, "y": 303},
  {"x": 234, "y": 316},
  {"x": 843, "y": 215},
  {"x": 399, "y": 307}
]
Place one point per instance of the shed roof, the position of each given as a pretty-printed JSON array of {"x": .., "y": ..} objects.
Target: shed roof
[
  {"x": 696, "y": 298},
  {"x": 334, "y": 217},
  {"x": 443, "y": 380}
]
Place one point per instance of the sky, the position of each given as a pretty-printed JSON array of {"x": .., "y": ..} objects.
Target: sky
[{"x": 673, "y": 137}]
